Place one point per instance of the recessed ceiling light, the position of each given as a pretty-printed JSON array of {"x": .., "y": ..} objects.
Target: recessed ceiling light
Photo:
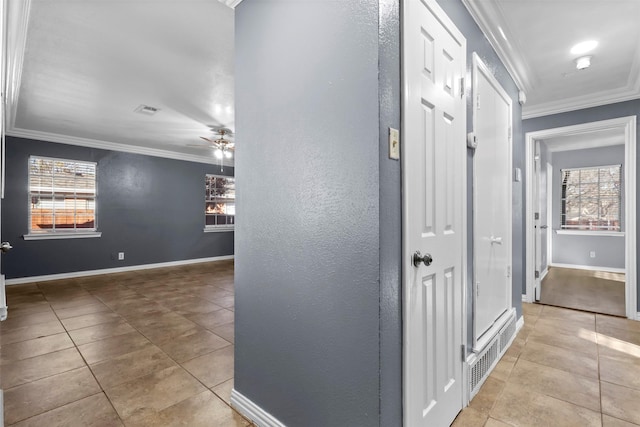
[
  {"x": 584, "y": 47},
  {"x": 146, "y": 109},
  {"x": 583, "y": 62}
]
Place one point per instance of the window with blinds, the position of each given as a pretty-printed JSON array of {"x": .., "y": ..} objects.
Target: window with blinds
[
  {"x": 220, "y": 202},
  {"x": 62, "y": 196},
  {"x": 591, "y": 198}
]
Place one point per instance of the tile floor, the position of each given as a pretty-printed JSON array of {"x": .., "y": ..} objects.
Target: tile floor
[
  {"x": 144, "y": 348},
  {"x": 596, "y": 291},
  {"x": 565, "y": 368},
  {"x": 155, "y": 348}
]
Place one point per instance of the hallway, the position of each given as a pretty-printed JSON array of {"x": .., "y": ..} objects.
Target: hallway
[{"x": 155, "y": 348}]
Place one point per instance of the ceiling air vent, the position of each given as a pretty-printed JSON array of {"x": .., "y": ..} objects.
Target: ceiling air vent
[{"x": 146, "y": 109}]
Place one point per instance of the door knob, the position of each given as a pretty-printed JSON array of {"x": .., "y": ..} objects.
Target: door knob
[
  {"x": 544, "y": 227},
  {"x": 418, "y": 258},
  {"x": 5, "y": 247},
  {"x": 496, "y": 240}
]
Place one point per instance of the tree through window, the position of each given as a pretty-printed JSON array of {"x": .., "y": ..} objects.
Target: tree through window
[{"x": 591, "y": 198}]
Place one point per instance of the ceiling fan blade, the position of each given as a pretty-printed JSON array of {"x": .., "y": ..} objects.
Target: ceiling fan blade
[
  {"x": 200, "y": 145},
  {"x": 208, "y": 140}
]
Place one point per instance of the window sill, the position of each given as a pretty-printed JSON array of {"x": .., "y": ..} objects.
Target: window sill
[
  {"x": 70, "y": 235},
  {"x": 217, "y": 229},
  {"x": 591, "y": 233}
]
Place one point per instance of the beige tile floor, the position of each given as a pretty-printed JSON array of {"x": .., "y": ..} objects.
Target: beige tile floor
[
  {"x": 144, "y": 348},
  {"x": 596, "y": 291},
  {"x": 564, "y": 368},
  {"x": 155, "y": 348}
]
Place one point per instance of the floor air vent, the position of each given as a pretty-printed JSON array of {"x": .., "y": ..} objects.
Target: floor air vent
[{"x": 480, "y": 367}]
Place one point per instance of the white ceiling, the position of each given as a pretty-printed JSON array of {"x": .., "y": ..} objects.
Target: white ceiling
[
  {"x": 79, "y": 68},
  {"x": 538, "y": 36},
  {"x": 87, "y": 65},
  {"x": 584, "y": 140}
]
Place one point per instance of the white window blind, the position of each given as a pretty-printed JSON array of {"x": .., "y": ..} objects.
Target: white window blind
[
  {"x": 220, "y": 202},
  {"x": 591, "y": 198},
  {"x": 62, "y": 196}
]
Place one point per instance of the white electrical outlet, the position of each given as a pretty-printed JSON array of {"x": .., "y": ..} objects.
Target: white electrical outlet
[
  {"x": 592, "y": 254},
  {"x": 120, "y": 256}
]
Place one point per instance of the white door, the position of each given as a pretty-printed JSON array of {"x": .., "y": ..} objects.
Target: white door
[
  {"x": 434, "y": 123},
  {"x": 492, "y": 203},
  {"x": 537, "y": 221},
  {"x": 5, "y": 246}
]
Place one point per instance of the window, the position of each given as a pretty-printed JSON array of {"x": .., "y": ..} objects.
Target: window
[
  {"x": 62, "y": 196},
  {"x": 591, "y": 198},
  {"x": 220, "y": 202}
]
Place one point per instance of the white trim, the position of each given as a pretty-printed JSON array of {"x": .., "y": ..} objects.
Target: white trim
[
  {"x": 484, "y": 13},
  {"x": 638, "y": 316},
  {"x": 588, "y": 267},
  {"x": 548, "y": 219},
  {"x": 628, "y": 126},
  {"x": 253, "y": 412},
  {"x": 579, "y": 103},
  {"x": 3, "y": 304},
  {"x": 525, "y": 298},
  {"x": 86, "y": 273},
  {"x": 62, "y": 235},
  {"x": 591, "y": 233},
  {"x": 519, "y": 324},
  {"x": 208, "y": 229},
  {"x": 544, "y": 272},
  {"x": 481, "y": 343},
  {"x": 231, "y": 3},
  {"x": 112, "y": 146}
]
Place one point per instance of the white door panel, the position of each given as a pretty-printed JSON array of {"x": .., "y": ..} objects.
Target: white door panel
[
  {"x": 434, "y": 123},
  {"x": 492, "y": 202}
]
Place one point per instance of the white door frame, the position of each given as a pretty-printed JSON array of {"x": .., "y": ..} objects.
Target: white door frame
[
  {"x": 628, "y": 126},
  {"x": 407, "y": 251}
]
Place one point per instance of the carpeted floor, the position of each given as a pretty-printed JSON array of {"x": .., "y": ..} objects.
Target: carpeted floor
[{"x": 595, "y": 291}]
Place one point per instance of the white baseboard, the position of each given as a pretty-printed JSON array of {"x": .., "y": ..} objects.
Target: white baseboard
[
  {"x": 589, "y": 267},
  {"x": 519, "y": 324},
  {"x": 74, "y": 274},
  {"x": 544, "y": 273},
  {"x": 252, "y": 411},
  {"x": 525, "y": 298},
  {"x": 638, "y": 316}
]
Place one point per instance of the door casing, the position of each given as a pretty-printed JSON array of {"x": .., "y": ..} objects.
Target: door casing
[{"x": 628, "y": 126}]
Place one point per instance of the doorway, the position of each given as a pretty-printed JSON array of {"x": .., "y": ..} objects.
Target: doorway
[{"x": 539, "y": 239}]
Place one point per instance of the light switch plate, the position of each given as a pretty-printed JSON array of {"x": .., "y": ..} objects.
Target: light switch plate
[
  {"x": 394, "y": 144},
  {"x": 517, "y": 176}
]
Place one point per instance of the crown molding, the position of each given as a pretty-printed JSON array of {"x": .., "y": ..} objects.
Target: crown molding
[
  {"x": 112, "y": 146},
  {"x": 485, "y": 12},
  {"x": 579, "y": 103},
  {"x": 231, "y": 3}
]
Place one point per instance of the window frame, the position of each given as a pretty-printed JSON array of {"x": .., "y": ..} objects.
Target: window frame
[
  {"x": 213, "y": 228},
  {"x": 585, "y": 229},
  {"x": 61, "y": 233}
]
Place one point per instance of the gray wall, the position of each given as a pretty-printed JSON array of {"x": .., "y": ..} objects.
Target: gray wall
[
  {"x": 318, "y": 297},
  {"x": 151, "y": 208},
  {"x": 477, "y": 42},
  {"x": 574, "y": 249},
  {"x": 308, "y": 225},
  {"x": 612, "y": 111}
]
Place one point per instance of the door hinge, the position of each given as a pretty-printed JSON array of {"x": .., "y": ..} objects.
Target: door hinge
[
  {"x": 462, "y": 87},
  {"x": 463, "y": 352},
  {"x": 537, "y": 274},
  {"x": 478, "y": 102},
  {"x": 477, "y": 289}
]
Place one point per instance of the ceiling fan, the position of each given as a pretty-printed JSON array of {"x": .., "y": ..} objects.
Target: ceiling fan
[{"x": 223, "y": 147}]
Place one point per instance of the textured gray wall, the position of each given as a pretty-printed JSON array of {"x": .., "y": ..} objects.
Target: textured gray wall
[
  {"x": 477, "y": 42},
  {"x": 308, "y": 229},
  {"x": 151, "y": 208},
  {"x": 574, "y": 249},
  {"x": 390, "y": 219},
  {"x": 587, "y": 115}
]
